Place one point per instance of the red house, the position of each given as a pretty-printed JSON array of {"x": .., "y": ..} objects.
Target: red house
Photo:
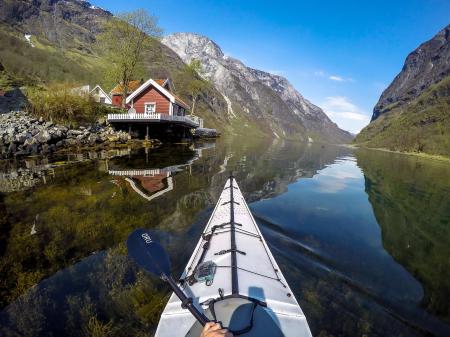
[
  {"x": 116, "y": 93},
  {"x": 153, "y": 105},
  {"x": 156, "y": 96}
]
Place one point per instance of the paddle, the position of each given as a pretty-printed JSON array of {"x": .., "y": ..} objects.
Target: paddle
[{"x": 151, "y": 256}]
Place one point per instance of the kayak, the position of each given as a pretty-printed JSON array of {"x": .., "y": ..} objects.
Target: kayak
[{"x": 233, "y": 278}]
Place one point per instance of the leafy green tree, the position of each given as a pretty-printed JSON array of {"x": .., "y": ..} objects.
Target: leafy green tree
[
  {"x": 197, "y": 84},
  {"x": 125, "y": 38}
]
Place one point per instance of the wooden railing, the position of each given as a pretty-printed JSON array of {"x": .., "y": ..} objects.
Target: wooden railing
[{"x": 193, "y": 121}]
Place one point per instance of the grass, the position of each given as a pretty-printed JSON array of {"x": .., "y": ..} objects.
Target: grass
[
  {"x": 45, "y": 63},
  {"x": 61, "y": 104},
  {"x": 421, "y": 126},
  {"x": 415, "y": 154}
]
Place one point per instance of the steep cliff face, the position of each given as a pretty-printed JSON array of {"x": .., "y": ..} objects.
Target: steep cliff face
[
  {"x": 413, "y": 113},
  {"x": 313, "y": 118},
  {"x": 427, "y": 65},
  {"x": 269, "y": 99},
  {"x": 67, "y": 24}
]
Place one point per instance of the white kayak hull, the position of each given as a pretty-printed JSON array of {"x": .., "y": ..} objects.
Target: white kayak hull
[{"x": 248, "y": 292}]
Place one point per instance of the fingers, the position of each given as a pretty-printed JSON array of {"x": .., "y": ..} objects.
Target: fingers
[
  {"x": 208, "y": 326},
  {"x": 212, "y": 329}
]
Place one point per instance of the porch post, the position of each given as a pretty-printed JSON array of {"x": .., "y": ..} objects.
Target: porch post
[
  {"x": 129, "y": 130},
  {"x": 146, "y": 135}
]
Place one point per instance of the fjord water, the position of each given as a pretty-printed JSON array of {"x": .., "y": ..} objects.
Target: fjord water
[{"x": 363, "y": 237}]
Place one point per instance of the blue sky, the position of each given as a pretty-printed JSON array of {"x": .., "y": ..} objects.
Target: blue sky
[{"x": 338, "y": 54}]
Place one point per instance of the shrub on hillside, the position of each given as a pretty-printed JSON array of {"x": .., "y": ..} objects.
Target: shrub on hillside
[{"x": 61, "y": 103}]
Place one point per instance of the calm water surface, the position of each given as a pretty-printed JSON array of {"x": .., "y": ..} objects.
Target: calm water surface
[{"x": 363, "y": 237}]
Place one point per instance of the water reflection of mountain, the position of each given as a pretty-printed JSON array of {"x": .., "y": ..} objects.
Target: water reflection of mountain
[
  {"x": 84, "y": 209},
  {"x": 267, "y": 172},
  {"x": 410, "y": 197}
]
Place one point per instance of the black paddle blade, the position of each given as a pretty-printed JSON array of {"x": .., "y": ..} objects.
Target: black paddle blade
[{"x": 148, "y": 253}]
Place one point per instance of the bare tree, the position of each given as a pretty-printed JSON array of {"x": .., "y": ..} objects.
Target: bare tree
[{"x": 124, "y": 39}]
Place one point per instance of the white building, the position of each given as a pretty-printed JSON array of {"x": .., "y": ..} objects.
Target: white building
[{"x": 100, "y": 95}]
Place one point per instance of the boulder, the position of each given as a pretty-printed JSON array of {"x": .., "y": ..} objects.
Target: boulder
[
  {"x": 30, "y": 141},
  {"x": 93, "y": 139},
  {"x": 74, "y": 133},
  {"x": 43, "y": 136},
  {"x": 21, "y": 137}
]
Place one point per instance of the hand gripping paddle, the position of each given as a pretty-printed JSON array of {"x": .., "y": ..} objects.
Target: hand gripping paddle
[{"x": 151, "y": 256}]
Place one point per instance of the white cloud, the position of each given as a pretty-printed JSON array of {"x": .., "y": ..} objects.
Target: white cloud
[
  {"x": 336, "y": 78},
  {"x": 340, "y": 78},
  {"x": 345, "y": 114},
  {"x": 354, "y": 116},
  {"x": 319, "y": 73}
]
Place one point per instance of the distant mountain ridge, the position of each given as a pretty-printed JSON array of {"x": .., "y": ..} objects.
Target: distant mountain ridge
[
  {"x": 413, "y": 113},
  {"x": 427, "y": 65},
  {"x": 266, "y": 97}
]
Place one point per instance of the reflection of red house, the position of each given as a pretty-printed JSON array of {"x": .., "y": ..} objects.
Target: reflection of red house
[{"x": 152, "y": 184}]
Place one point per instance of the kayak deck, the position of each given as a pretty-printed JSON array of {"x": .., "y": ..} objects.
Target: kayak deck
[{"x": 248, "y": 292}]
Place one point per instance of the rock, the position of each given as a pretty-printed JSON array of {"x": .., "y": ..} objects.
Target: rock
[
  {"x": 21, "y": 137},
  {"x": 11, "y": 130},
  {"x": 45, "y": 149},
  {"x": 93, "y": 139},
  {"x": 12, "y": 148},
  {"x": 71, "y": 142},
  {"x": 30, "y": 141},
  {"x": 206, "y": 133},
  {"x": 74, "y": 133},
  {"x": 43, "y": 136},
  {"x": 24, "y": 152},
  {"x": 34, "y": 148}
]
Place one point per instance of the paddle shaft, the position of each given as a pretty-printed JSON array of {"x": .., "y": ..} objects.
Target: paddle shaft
[{"x": 187, "y": 303}]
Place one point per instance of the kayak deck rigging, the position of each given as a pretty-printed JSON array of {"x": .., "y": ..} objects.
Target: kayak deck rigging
[{"x": 247, "y": 291}]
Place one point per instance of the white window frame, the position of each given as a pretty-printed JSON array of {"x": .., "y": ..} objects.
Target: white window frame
[{"x": 149, "y": 104}]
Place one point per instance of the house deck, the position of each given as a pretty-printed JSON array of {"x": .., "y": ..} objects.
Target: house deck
[{"x": 193, "y": 122}]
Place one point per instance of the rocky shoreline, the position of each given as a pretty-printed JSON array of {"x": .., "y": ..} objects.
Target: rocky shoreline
[{"x": 24, "y": 135}]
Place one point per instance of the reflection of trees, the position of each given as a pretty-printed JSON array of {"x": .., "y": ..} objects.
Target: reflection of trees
[
  {"x": 104, "y": 295},
  {"x": 82, "y": 211},
  {"x": 410, "y": 197}
]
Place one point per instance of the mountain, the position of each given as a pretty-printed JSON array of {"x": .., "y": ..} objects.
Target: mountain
[
  {"x": 56, "y": 41},
  {"x": 413, "y": 113},
  {"x": 269, "y": 99}
]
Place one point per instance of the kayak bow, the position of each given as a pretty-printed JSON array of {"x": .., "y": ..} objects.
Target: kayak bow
[{"x": 233, "y": 278}]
